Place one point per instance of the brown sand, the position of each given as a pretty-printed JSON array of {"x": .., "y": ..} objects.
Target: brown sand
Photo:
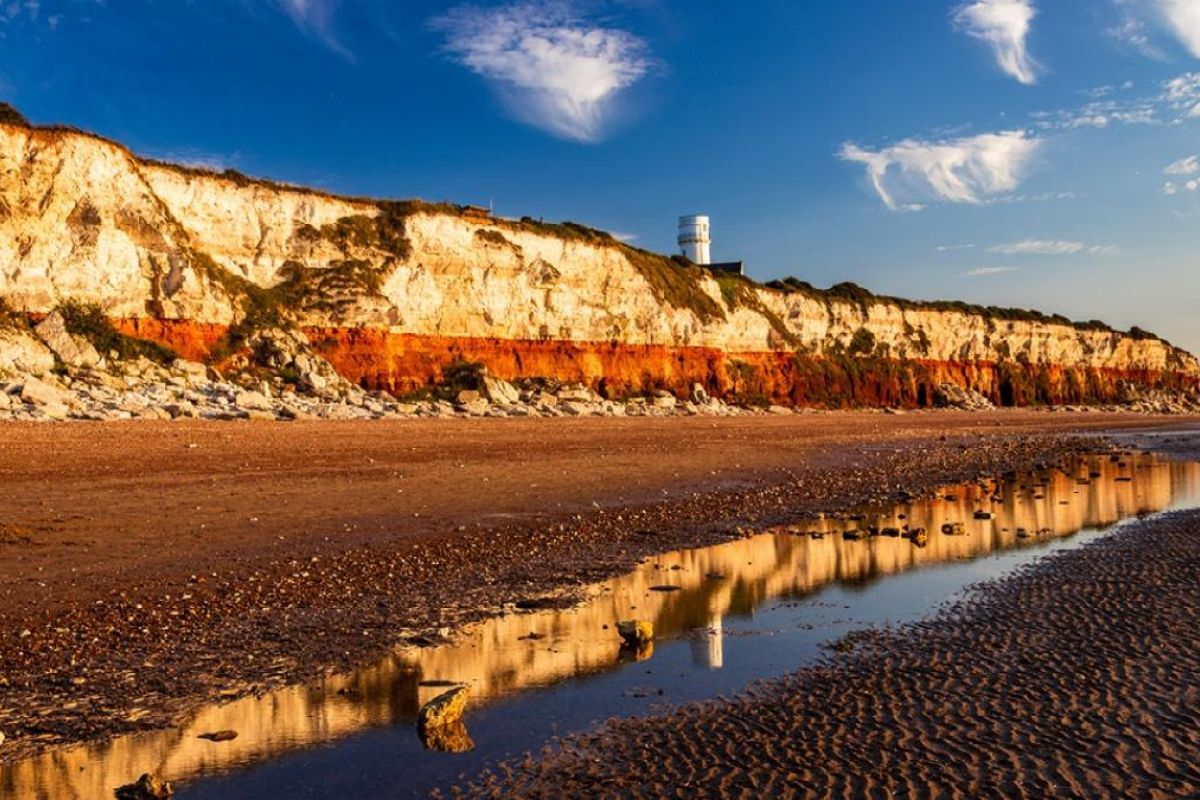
[
  {"x": 1074, "y": 678},
  {"x": 141, "y": 575}
]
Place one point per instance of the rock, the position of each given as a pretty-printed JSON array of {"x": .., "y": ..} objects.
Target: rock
[
  {"x": 917, "y": 536},
  {"x": 476, "y": 408},
  {"x": 71, "y": 350},
  {"x": 665, "y": 401},
  {"x": 950, "y": 395},
  {"x": 191, "y": 369},
  {"x": 37, "y": 392},
  {"x": 219, "y": 736},
  {"x": 184, "y": 409},
  {"x": 579, "y": 394},
  {"x": 445, "y": 709},
  {"x": 699, "y": 395},
  {"x": 500, "y": 392},
  {"x": 252, "y": 401},
  {"x": 147, "y": 787},
  {"x": 21, "y": 354},
  {"x": 452, "y": 738},
  {"x": 953, "y": 529},
  {"x": 576, "y": 408},
  {"x": 779, "y": 410},
  {"x": 635, "y": 633},
  {"x": 467, "y": 396},
  {"x": 983, "y": 515}
]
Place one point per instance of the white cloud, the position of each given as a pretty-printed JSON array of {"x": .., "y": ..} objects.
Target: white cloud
[
  {"x": 949, "y": 248},
  {"x": 980, "y": 272},
  {"x": 973, "y": 169},
  {"x": 1184, "y": 166},
  {"x": 1170, "y": 187},
  {"x": 1183, "y": 18},
  {"x": 553, "y": 68},
  {"x": 315, "y": 17},
  {"x": 1132, "y": 32},
  {"x": 1182, "y": 94},
  {"x": 1051, "y": 247},
  {"x": 1003, "y": 24}
]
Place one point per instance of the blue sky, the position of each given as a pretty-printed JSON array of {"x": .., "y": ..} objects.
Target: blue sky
[{"x": 1038, "y": 153}]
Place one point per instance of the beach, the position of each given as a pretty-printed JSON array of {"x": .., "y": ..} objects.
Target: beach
[{"x": 1070, "y": 678}]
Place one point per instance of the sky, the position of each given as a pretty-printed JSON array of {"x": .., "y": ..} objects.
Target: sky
[{"x": 1033, "y": 153}]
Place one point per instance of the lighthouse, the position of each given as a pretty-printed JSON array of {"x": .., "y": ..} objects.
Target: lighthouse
[
  {"x": 695, "y": 244},
  {"x": 694, "y": 240}
]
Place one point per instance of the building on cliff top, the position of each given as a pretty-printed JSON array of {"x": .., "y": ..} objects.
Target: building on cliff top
[{"x": 695, "y": 244}]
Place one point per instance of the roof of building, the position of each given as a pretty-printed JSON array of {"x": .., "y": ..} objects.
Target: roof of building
[{"x": 727, "y": 266}]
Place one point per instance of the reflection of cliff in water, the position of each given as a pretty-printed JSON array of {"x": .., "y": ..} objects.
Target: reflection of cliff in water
[{"x": 714, "y": 583}]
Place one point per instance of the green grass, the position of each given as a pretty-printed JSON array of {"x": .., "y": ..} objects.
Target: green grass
[
  {"x": 88, "y": 321},
  {"x": 738, "y": 291},
  {"x": 675, "y": 282}
]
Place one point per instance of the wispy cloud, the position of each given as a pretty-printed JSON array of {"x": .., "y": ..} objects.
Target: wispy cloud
[
  {"x": 1051, "y": 247},
  {"x": 194, "y": 157},
  {"x": 972, "y": 169},
  {"x": 950, "y": 248},
  {"x": 1133, "y": 32},
  {"x": 1141, "y": 20},
  {"x": 983, "y": 272},
  {"x": 554, "y": 69},
  {"x": 1183, "y": 18},
  {"x": 1172, "y": 101},
  {"x": 315, "y": 17},
  {"x": 1184, "y": 166},
  {"x": 1181, "y": 170},
  {"x": 1005, "y": 26}
]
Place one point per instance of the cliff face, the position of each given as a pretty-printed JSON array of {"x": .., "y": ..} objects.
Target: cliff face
[{"x": 392, "y": 292}]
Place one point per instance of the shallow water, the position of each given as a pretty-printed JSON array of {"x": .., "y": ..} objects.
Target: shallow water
[{"x": 748, "y": 609}]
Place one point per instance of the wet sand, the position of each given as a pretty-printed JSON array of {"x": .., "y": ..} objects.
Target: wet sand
[
  {"x": 150, "y": 568},
  {"x": 1073, "y": 678}
]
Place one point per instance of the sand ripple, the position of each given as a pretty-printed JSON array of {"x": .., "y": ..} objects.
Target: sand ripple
[{"x": 1074, "y": 678}]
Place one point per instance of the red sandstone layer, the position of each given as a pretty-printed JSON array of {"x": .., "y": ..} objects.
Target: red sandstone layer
[{"x": 403, "y": 363}]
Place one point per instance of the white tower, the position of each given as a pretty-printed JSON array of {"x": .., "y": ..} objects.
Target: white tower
[{"x": 694, "y": 240}]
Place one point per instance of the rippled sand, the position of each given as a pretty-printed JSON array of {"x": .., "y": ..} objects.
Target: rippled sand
[{"x": 1076, "y": 678}]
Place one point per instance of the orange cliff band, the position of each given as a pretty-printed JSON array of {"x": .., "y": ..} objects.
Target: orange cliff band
[{"x": 402, "y": 363}]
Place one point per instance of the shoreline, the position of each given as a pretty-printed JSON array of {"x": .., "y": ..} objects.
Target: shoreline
[
  {"x": 304, "y": 606},
  {"x": 1066, "y": 678}
]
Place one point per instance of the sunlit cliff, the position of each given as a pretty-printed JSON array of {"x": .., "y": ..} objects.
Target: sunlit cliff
[{"x": 392, "y": 292}]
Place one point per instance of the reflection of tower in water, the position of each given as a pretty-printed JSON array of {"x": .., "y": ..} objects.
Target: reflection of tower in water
[{"x": 708, "y": 649}]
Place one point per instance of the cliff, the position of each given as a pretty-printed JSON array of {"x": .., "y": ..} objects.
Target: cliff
[{"x": 392, "y": 292}]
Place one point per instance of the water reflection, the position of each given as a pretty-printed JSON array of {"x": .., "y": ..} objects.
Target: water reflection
[{"x": 499, "y": 658}]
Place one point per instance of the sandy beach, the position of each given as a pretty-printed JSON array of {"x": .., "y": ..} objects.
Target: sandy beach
[
  {"x": 1072, "y": 678},
  {"x": 197, "y": 562}
]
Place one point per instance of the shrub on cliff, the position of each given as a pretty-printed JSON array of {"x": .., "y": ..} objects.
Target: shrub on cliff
[
  {"x": 11, "y": 318},
  {"x": 88, "y": 321},
  {"x": 862, "y": 343},
  {"x": 459, "y": 376},
  {"x": 10, "y": 116}
]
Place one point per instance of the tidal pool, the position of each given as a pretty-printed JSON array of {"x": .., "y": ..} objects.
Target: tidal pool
[{"x": 745, "y": 610}]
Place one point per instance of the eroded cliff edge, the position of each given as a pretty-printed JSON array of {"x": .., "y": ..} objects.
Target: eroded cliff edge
[{"x": 392, "y": 292}]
